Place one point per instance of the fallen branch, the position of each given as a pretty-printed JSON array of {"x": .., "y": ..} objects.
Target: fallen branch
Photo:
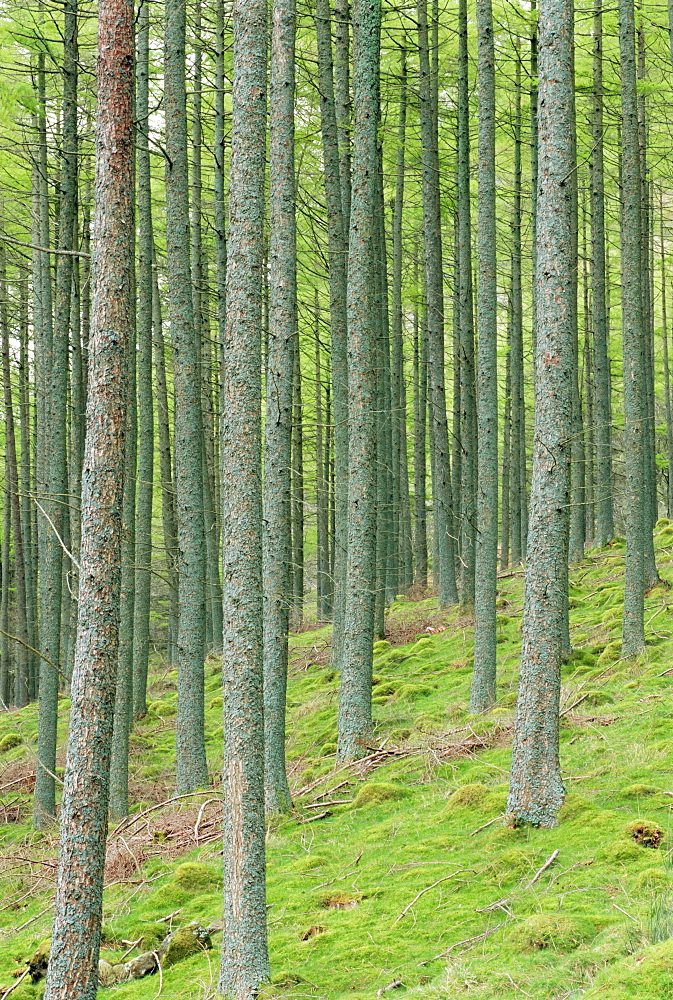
[
  {"x": 418, "y": 895},
  {"x": 550, "y": 861},
  {"x": 11, "y": 988},
  {"x": 312, "y": 819},
  {"x": 484, "y": 825},
  {"x": 470, "y": 942},
  {"x": 396, "y": 983}
]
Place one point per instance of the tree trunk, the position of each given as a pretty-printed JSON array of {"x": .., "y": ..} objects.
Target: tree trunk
[
  {"x": 355, "y": 719},
  {"x": 245, "y": 961},
  {"x": 75, "y": 940},
  {"x": 536, "y": 790},
  {"x": 279, "y": 378},
  {"x": 190, "y": 764},
  {"x": 486, "y": 562}
]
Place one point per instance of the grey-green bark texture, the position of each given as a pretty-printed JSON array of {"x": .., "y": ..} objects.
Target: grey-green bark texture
[
  {"x": 517, "y": 469},
  {"x": 604, "y": 524},
  {"x": 54, "y": 442},
  {"x": 245, "y": 961},
  {"x": 533, "y": 153},
  {"x": 143, "y": 561},
  {"x": 468, "y": 438},
  {"x": 506, "y": 461},
  {"x": 73, "y": 967},
  {"x": 342, "y": 90},
  {"x": 12, "y": 499},
  {"x": 355, "y": 719},
  {"x": 337, "y": 235},
  {"x": 278, "y": 424},
  {"x": 482, "y": 695},
  {"x": 666, "y": 365},
  {"x": 297, "y": 489},
  {"x": 536, "y": 790},
  {"x": 420, "y": 440},
  {"x": 190, "y": 763},
  {"x": 434, "y": 296},
  {"x": 633, "y": 627}
]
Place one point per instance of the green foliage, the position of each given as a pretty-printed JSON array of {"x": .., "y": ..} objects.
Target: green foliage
[
  {"x": 558, "y": 932},
  {"x": 10, "y": 741}
]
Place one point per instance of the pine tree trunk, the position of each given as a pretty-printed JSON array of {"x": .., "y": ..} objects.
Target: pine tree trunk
[
  {"x": 604, "y": 488},
  {"x": 75, "y": 940},
  {"x": 633, "y": 627},
  {"x": 420, "y": 440},
  {"x": 433, "y": 282},
  {"x": 44, "y": 801},
  {"x": 141, "y": 623},
  {"x": 486, "y": 562},
  {"x": 337, "y": 233},
  {"x": 667, "y": 371},
  {"x": 245, "y": 961},
  {"x": 279, "y": 378},
  {"x": 355, "y": 719},
  {"x": 191, "y": 767},
  {"x": 536, "y": 789},
  {"x": 297, "y": 491}
]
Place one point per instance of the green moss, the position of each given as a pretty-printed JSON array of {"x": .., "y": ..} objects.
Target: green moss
[
  {"x": 194, "y": 877},
  {"x": 467, "y": 796},
  {"x": 374, "y": 792},
  {"x": 559, "y": 932},
  {"x": 189, "y": 940},
  {"x": 638, "y": 791},
  {"x": 10, "y": 741},
  {"x": 645, "y": 832},
  {"x": 215, "y": 702},
  {"x": 652, "y": 879},
  {"x": 610, "y": 654},
  {"x": 622, "y": 850},
  {"x": 161, "y": 708}
]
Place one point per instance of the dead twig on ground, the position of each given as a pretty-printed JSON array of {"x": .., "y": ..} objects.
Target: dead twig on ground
[{"x": 418, "y": 895}]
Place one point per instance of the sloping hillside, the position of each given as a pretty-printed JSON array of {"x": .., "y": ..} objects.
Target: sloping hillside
[{"x": 398, "y": 870}]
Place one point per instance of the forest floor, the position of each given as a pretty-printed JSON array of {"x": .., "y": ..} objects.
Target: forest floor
[{"x": 395, "y": 876}]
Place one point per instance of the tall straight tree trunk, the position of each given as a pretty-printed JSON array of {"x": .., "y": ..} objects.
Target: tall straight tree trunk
[
  {"x": 355, "y": 718},
  {"x": 486, "y": 556},
  {"x": 517, "y": 472},
  {"x": 337, "y": 235},
  {"x": 190, "y": 764},
  {"x": 342, "y": 93},
  {"x": 75, "y": 939},
  {"x": 324, "y": 601},
  {"x": 12, "y": 499},
  {"x": 420, "y": 441},
  {"x": 398, "y": 385},
  {"x": 245, "y": 961},
  {"x": 633, "y": 626},
  {"x": 604, "y": 503},
  {"x": 577, "y": 536},
  {"x": 143, "y": 569},
  {"x": 297, "y": 497},
  {"x": 667, "y": 371},
  {"x": 279, "y": 377},
  {"x": 468, "y": 437},
  {"x": 533, "y": 158},
  {"x": 26, "y": 491},
  {"x": 536, "y": 789},
  {"x": 589, "y": 478},
  {"x": 168, "y": 519},
  {"x": 434, "y": 294},
  {"x": 44, "y": 801},
  {"x": 506, "y": 465}
]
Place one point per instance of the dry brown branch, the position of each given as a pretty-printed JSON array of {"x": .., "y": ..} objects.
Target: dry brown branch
[
  {"x": 470, "y": 942},
  {"x": 418, "y": 895}
]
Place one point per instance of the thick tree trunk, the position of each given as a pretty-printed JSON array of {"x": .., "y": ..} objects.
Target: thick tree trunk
[
  {"x": 278, "y": 424},
  {"x": 536, "y": 789},
  {"x": 75, "y": 940},
  {"x": 245, "y": 961},
  {"x": 486, "y": 561},
  {"x": 190, "y": 764},
  {"x": 355, "y": 718}
]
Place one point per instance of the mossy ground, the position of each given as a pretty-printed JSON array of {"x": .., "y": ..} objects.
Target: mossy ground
[{"x": 340, "y": 886}]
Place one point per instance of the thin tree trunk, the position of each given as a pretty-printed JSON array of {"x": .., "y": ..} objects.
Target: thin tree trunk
[
  {"x": 667, "y": 372},
  {"x": 297, "y": 501}
]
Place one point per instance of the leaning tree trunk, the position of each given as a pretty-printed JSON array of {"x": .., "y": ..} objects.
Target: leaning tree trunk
[
  {"x": 75, "y": 939},
  {"x": 536, "y": 789}
]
